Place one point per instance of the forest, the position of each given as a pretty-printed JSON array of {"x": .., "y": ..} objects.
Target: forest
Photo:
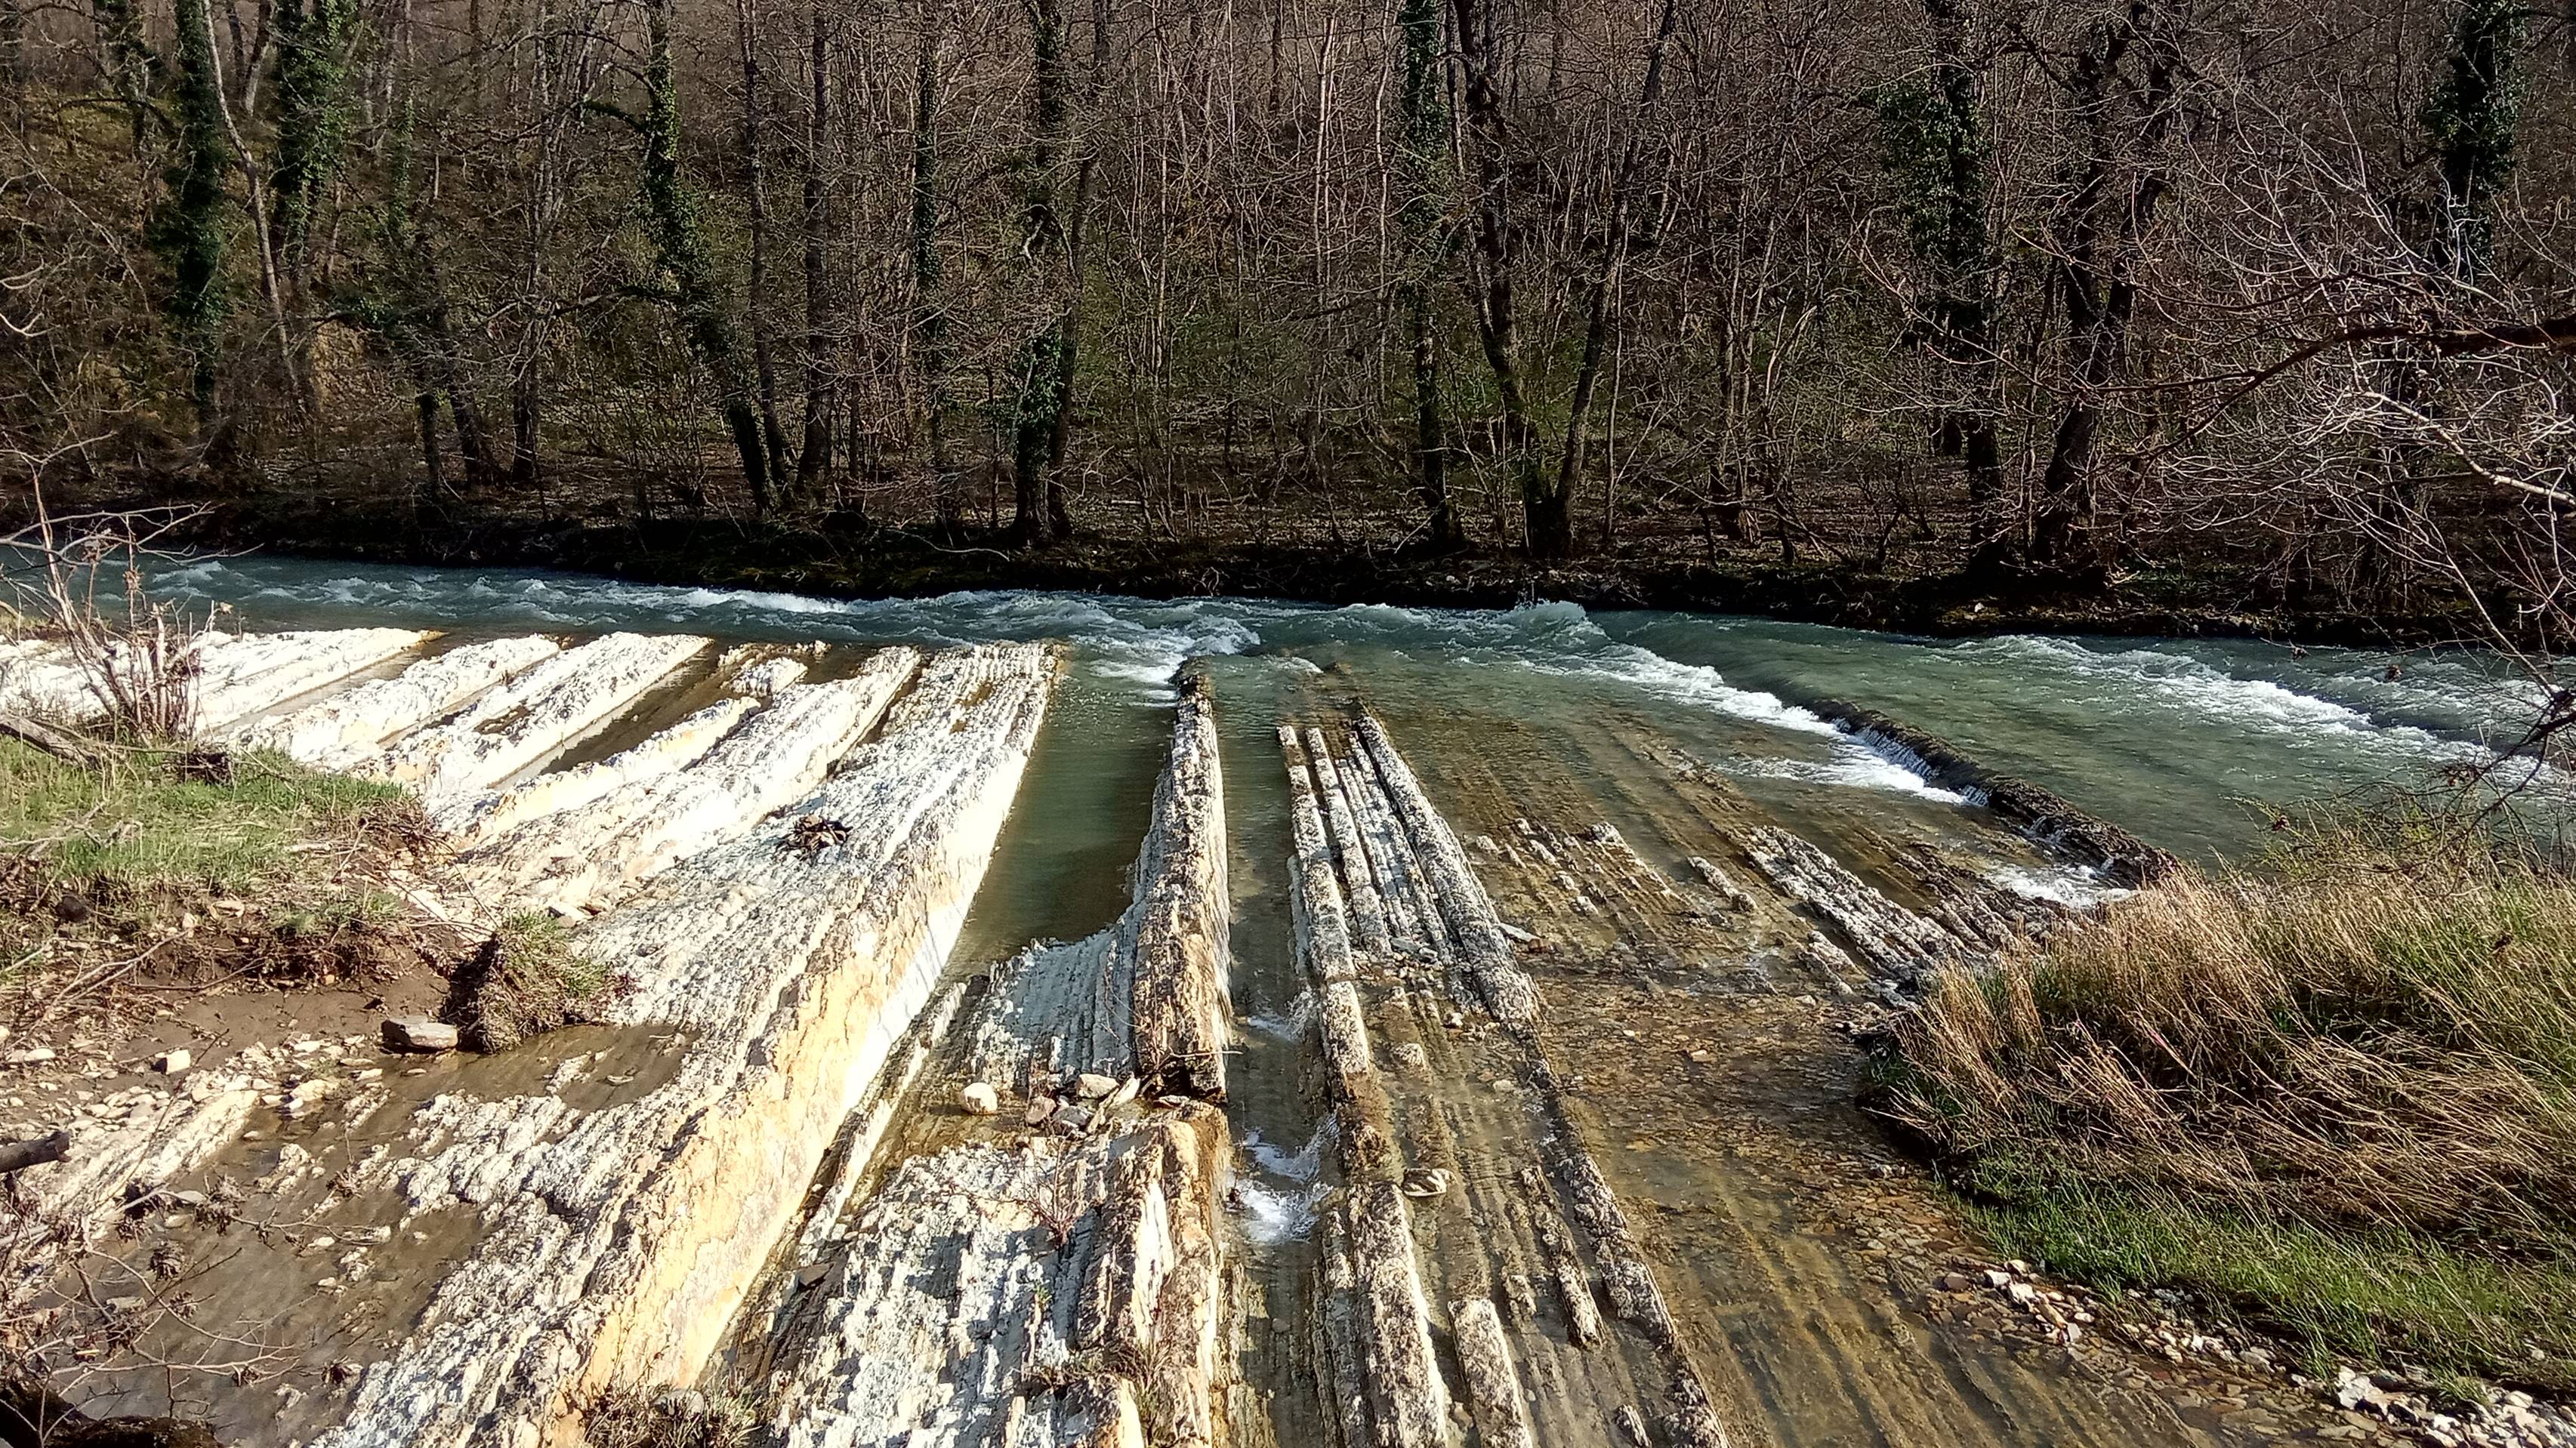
[{"x": 2067, "y": 296}]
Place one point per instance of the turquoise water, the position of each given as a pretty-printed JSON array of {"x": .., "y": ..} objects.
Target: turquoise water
[{"x": 2180, "y": 740}]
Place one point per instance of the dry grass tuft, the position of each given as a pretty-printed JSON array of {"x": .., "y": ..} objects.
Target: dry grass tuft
[
  {"x": 2337, "y": 1089},
  {"x": 524, "y": 981}
]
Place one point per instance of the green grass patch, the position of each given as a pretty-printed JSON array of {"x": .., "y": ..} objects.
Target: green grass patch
[
  {"x": 2334, "y": 1094},
  {"x": 524, "y": 981},
  {"x": 144, "y": 822},
  {"x": 2346, "y": 1296}
]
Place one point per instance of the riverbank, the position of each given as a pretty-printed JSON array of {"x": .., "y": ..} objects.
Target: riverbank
[
  {"x": 1337, "y": 560},
  {"x": 2326, "y": 1096}
]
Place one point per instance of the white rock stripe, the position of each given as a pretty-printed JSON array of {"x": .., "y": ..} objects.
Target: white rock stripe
[
  {"x": 582, "y": 857},
  {"x": 242, "y": 676},
  {"x": 616, "y": 1245},
  {"x": 484, "y": 815},
  {"x": 533, "y": 715},
  {"x": 344, "y": 729},
  {"x": 239, "y": 676}
]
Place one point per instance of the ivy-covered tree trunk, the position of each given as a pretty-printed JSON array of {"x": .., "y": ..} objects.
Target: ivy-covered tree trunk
[
  {"x": 1546, "y": 512},
  {"x": 313, "y": 40},
  {"x": 2472, "y": 119},
  {"x": 680, "y": 241},
  {"x": 1069, "y": 346},
  {"x": 1039, "y": 386},
  {"x": 1423, "y": 167},
  {"x": 127, "y": 61},
  {"x": 189, "y": 229},
  {"x": 1933, "y": 141},
  {"x": 929, "y": 303},
  {"x": 764, "y": 363},
  {"x": 401, "y": 300},
  {"x": 814, "y": 458}
]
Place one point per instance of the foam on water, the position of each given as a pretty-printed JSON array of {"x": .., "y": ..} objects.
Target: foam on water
[
  {"x": 1293, "y": 1024},
  {"x": 2070, "y": 885},
  {"x": 1281, "y": 1197},
  {"x": 1272, "y": 1215},
  {"x": 2161, "y": 733}
]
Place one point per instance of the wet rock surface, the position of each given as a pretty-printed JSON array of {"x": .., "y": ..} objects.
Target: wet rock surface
[{"x": 1576, "y": 1046}]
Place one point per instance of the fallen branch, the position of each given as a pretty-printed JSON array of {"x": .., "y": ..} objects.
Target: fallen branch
[
  {"x": 17, "y": 1156},
  {"x": 60, "y": 743}
]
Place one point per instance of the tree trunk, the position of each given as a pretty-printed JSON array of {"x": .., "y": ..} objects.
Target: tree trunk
[
  {"x": 1060, "y": 436},
  {"x": 1605, "y": 281},
  {"x": 192, "y": 239},
  {"x": 1423, "y": 166},
  {"x": 2098, "y": 251},
  {"x": 430, "y": 455},
  {"x": 929, "y": 305},
  {"x": 685, "y": 260},
  {"x": 764, "y": 364},
  {"x": 1041, "y": 362},
  {"x": 814, "y": 459},
  {"x": 1544, "y": 510}
]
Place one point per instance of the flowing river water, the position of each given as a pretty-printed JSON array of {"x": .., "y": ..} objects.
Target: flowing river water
[{"x": 1694, "y": 1060}]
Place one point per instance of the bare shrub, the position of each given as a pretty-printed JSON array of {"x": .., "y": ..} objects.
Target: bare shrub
[{"x": 85, "y": 588}]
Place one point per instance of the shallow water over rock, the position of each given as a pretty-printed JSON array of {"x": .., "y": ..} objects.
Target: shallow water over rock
[{"x": 1536, "y": 942}]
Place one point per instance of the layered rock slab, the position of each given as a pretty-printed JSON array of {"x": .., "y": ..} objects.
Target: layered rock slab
[
  {"x": 583, "y": 856},
  {"x": 532, "y": 716},
  {"x": 614, "y": 1245},
  {"x": 1056, "y": 1276},
  {"x": 1467, "y": 1182},
  {"x": 344, "y": 729},
  {"x": 1147, "y": 998},
  {"x": 236, "y": 677}
]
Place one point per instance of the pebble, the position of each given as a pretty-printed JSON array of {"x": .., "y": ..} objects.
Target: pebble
[
  {"x": 978, "y": 1098},
  {"x": 1091, "y": 1086},
  {"x": 171, "y": 1063},
  {"x": 417, "y": 1033}
]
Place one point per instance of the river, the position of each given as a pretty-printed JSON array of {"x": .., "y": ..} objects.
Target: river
[{"x": 1606, "y": 771}]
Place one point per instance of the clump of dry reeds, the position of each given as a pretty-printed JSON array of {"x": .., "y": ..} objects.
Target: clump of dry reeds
[{"x": 2356, "y": 1035}]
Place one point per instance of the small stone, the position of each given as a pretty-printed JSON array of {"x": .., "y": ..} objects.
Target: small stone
[
  {"x": 1997, "y": 1277},
  {"x": 1703, "y": 1056},
  {"x": 1433, "y": 1182},
  {"x": 418, "y": 1033},
  {"x": 978, "y": 1098},
  {"x": 1412, "y": 1057},
  {"x": 1091, "y": 1086},
  {"x": 171, "y": 1063},
  {"x": 32, "y": 1056},
  {"x": 1040, "y": 1108},
  {"x": 1124, "y": 1094},
  {"x": 2354, "y": 1391},
  {"x": 1955, "y": 1282}
]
